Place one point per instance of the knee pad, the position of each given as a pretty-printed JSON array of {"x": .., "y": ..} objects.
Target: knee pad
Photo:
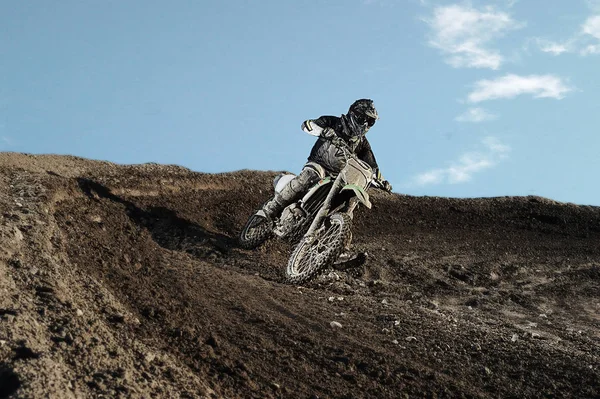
[{"x": 299, "y": 185}]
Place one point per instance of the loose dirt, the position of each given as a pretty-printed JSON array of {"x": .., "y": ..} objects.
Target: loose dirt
[{"x": 126, "y": 281}]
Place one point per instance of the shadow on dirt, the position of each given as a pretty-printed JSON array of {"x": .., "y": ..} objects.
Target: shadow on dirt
[
  {"x": 167, "y": 229},
  {"x": 9, "y": 381}
]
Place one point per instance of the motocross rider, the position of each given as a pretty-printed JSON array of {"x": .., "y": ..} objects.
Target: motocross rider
[{"x": 326, "y": 157}]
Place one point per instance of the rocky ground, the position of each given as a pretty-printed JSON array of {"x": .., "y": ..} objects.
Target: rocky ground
[{"x": 126, "y": 281}]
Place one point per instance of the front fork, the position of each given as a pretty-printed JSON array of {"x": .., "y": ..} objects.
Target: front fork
[
  {"x": 352, "y": 206},
  {"x": 324, "y": 211},
  {"x": 354, "y": 202}
]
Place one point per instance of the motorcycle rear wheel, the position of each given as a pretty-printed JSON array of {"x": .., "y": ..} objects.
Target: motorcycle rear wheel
[
  {"x": 313, "y": 255},
  {"x": 256, "y": 231}
]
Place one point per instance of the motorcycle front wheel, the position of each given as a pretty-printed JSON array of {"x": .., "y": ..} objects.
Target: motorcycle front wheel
[{"x": 315, "y": 254}]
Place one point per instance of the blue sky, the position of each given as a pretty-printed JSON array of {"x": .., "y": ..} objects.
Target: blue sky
[{"x": 476, "y": 98}]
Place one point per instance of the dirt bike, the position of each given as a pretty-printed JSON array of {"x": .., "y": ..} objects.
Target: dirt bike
[{"x": 319, "y": 223}]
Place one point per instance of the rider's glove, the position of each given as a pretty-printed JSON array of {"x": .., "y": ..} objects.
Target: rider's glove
[
  {"x": 328, "y": 133},
  {"x": 386, "y": 186}
]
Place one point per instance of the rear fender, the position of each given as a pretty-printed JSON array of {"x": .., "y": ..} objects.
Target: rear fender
[
  {"x": 281, "y": 180},
  {"x": 360, "y": 193}
]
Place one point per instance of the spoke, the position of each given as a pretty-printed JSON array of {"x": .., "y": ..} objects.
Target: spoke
[
  {"x": 320, "y": 249},
  {"x": 316, "y": 252},
  {"x": 324, "y": 241}
]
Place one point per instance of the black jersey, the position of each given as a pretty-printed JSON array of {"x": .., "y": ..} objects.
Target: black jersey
[{"x": 330, "y": 156}]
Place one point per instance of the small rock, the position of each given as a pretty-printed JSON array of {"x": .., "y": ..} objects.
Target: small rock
[
  {"x": 395, "y": 342},
  {"x": 69, "y": 339},
  {"x": 18, "y": 235},
  {"x": 335, "y": 324},
  {"x": 34, "y": 270},
  {"x": 207, "y": 352},
  {"x": 331, "y": 299},
  {"x": 149, "y": 357},
  {"x": 543, "y": 316},
  {"x": 385, "y": 302},
  {"x": 79, "y": 312},
  {"x": 514, "y": 338},
  {"x": 334, "y": 276},
  {"x": 410, "y": 339},
  {"x": 487, "y": 371},
  {"x": 537, "y": 335},
  {"x": 19, "y": 204},
  {"x": 2, "y": 342},
  {"x": 275, "y": 385}
]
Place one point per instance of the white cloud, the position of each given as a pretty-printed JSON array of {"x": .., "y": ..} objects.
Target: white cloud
[
  {"x": 435, "y": 176},
  {"x": 468, "y": 164},
  {"x": 509, "y": 86},
  {"x": 579, "y": 42},
  {"x": 592, "y": 26},
  {"x": 591, "y": 49},
  {"x": 475, "y": 115},
  {"x": 494, "y": 145},
  {"x": 553, "y": 48},
  {"x": 463, "y": 33}
]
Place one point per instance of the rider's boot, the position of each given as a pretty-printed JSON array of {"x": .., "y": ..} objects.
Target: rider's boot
[
  {"x": 273, "y": 207},
  {"x": 290, "y": 192},
  {"x": 351, "y": 263}
]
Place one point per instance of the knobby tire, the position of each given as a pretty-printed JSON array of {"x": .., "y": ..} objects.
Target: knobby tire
[
  {"x": 256, "y": 231},
  {"x": 310, "y": 258}
]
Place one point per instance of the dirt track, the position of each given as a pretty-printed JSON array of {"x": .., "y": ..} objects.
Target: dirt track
[{"x": 125, "y": 281}]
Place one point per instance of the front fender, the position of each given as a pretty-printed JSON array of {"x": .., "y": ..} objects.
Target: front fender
[{"x": 360, "y": 193}]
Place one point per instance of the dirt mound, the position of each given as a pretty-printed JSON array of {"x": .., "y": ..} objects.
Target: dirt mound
[{"x": 125, "y": 281}]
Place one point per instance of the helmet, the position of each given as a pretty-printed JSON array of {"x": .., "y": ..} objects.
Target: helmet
[{"x": 362, "y": 116}]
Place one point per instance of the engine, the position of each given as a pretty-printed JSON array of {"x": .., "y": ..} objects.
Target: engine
[{"x": 291, "y": 220}]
